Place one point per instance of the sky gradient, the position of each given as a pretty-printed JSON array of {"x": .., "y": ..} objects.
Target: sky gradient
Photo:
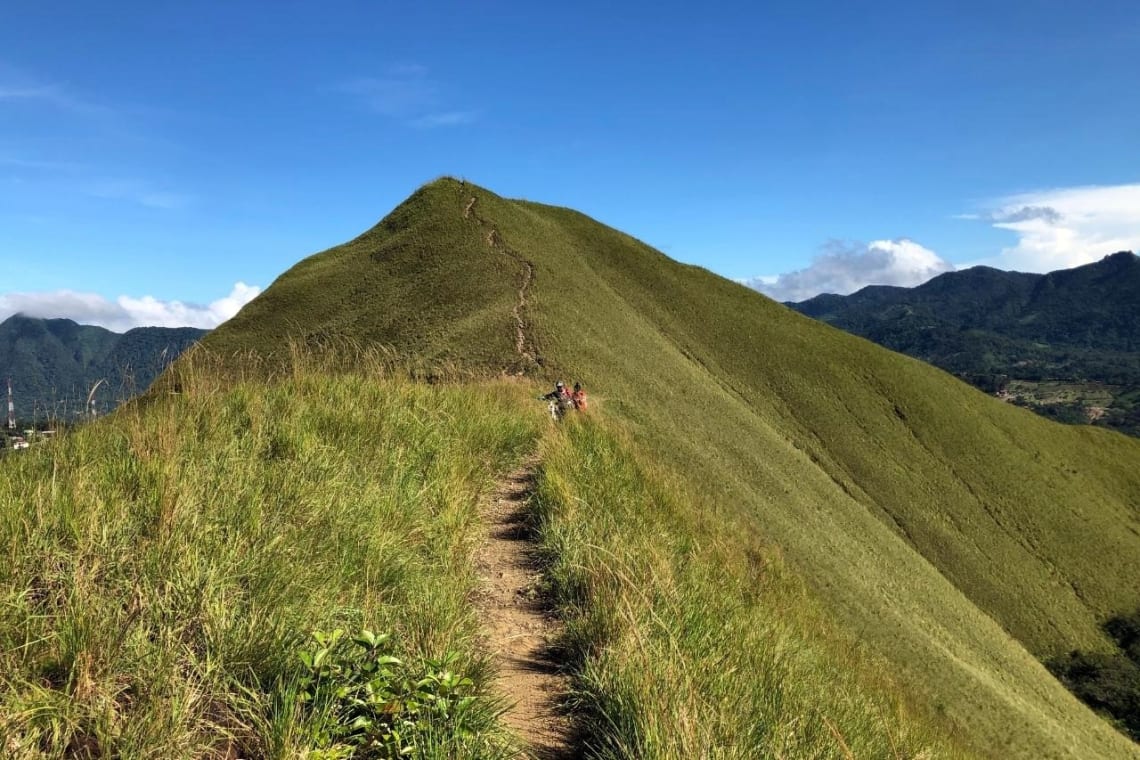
[{"x": 160, "y": 165}]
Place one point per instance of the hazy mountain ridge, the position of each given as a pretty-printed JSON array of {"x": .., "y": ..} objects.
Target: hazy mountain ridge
[
  {"x": 53, "y": 363},
  {"x": 1066, "y": 344}
]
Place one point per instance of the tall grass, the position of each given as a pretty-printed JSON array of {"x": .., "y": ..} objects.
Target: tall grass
[
  {"x": 164, "y": 566},
  {"x": 691, "y": 638}
]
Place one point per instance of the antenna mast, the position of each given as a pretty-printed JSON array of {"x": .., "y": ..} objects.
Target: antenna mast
[{"x": 91, "y": 398}]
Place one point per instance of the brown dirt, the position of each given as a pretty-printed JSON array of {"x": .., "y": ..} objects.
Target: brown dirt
[
  {"x": 495, "y": 240},
  {"x": 518, "y": 625}
]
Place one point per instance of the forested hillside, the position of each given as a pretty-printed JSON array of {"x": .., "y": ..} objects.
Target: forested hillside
[
  {"x": 1065, "y": 344},
  {"x": 53, "y": 363}
]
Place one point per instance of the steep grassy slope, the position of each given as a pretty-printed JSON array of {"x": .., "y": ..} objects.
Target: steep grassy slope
[
  {"x": 958, "y": 537},
  {"x": 429, "y": 290},
  {"x": 692, "y": 638},
  {"x": 164, "y": 567}
]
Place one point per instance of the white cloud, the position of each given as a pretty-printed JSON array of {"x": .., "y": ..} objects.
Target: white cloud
[
  {"x": 846, "y": 267},
  {"x": 126, "y": 312},
  {"x": 446, "y": 119},
  {"x": 1065, "y": 227},
  {"x": 136, "y": 191},
  {"x": 51, "y": 95},
  {"x": 407, "y": 93},
  {"x": 402, "y": 94},
  {"x": 27, "y": 93}
]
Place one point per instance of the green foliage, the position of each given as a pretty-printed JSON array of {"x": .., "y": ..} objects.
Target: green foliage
[
  {"x": 1108, "y": 682},
  {"x": 370, "y": 704},
  {"x": 1125, "y": 631}
]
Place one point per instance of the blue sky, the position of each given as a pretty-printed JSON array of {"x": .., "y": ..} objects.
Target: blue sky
[{"x": 154, "y": 154}]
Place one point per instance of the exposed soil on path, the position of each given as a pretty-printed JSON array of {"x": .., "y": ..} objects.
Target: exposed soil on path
[
  {"x": 523, "y": 344},
  {"x": 518, "y": 624}
]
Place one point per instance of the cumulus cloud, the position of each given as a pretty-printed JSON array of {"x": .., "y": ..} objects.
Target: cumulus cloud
[
  {"x": 1065, "y": 227},
  {"x": 844, "y": 267},
  {"x": 126, "y": 312}
]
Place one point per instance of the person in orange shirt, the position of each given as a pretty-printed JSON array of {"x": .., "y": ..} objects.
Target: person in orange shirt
[{"x": 579, "y": 398}]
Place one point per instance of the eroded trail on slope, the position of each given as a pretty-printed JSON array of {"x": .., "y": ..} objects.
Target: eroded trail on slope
[
  {"x": 517, "y": 623},
  {"x": 523, "y": 344}
]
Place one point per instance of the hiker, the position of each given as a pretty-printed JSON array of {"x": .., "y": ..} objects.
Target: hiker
[
  {"x": 559, "y": 393},
  {"x": 560, "y": 400},
  {"x": 579, "y": 398}
]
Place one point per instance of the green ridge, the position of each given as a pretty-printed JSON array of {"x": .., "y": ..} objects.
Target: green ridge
[
  {"x": 960, "y": 538},
  {"x": 53, "y": 363},
  {"x": 1065, "y": 344}
]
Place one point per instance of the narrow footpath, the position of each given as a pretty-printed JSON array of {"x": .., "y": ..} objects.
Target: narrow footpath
[
  {"x": 524, "y": 344},
  {"x": 518, "y": 626}
]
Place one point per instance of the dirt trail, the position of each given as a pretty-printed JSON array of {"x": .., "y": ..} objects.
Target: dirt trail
[
  {"x": 517, "y": 624},
  {"x": 523, "y": 345}
]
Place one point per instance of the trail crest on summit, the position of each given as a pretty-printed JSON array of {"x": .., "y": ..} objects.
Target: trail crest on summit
[{"x": 524, "y": 344}]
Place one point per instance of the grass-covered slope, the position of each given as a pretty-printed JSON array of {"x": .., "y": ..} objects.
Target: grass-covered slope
[
  {"x": 165, "y": 567},
  {"x": 420, "y": 281},
  {"x": 960, "y": 538}
]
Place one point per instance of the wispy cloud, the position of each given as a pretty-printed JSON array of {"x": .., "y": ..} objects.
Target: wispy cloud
[
  {"x": 75, "y": 119},
  {"x": 135, "y": 191},
  {"x": 28, "y": 163},
  {"x": 54, "y": 96},
  {"x": 446, "y": 119},
  {"x": 1064, "y": 227},
  {"x": 844, "y": 267},
  {"x": 127, "y": 312},
  {"x": 407, "y": 93},
  {"x": 401, "y": 96},
  {"x": 64, "y": 178},
  {"x": 8, "y": 92}
]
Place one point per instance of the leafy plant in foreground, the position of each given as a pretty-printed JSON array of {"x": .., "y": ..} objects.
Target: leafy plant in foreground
[{"x": 370, "y": 704}]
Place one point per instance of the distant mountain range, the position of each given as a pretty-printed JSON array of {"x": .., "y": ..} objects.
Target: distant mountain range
[
  {"x": 53, "y": 363},
  {"x": 1066, "y": 344}
]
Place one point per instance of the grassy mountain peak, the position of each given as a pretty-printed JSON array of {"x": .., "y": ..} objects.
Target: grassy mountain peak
[{"x": 956, "y": 536}]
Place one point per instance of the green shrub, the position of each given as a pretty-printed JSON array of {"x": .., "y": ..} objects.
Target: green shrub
[{"x": 364, "y": 702}]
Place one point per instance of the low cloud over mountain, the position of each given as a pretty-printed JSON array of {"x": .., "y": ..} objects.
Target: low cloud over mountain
[
  {"x": 844, "y": 267},
  {"x": 1065, "y": 227},
  {"x": 126, "y": 312}
]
